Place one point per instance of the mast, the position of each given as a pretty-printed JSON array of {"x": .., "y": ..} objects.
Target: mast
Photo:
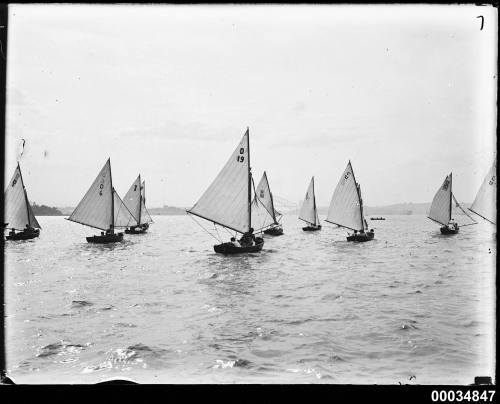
[
  {"x": 112, "y": 198},
  {"x": 140, "y": 200},
  {"x": 451, "y": 195},
  {"x": 25, "y": 195},
  {"x": 314, "y": 203},
  {"x": 249, "y": 183},
  {"x": 359, "y": 196}
]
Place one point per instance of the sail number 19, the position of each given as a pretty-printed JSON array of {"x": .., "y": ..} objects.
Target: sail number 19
[{"x": 239, "y": 157}]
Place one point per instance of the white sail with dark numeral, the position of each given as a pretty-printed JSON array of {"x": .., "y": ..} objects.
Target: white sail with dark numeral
[
  {"x": 226, "y": 201},
  {"x": 95, "y": 209},
  {"x": 440, "y": 210},
  {"x": 308, "y": 212},
  {"x": 18, "y": 211},
  {"x": 345, "y": 207},
  {"x": 132, "y": 199},
  {"x": 484, "y": 204},
  {"x": 145, "y": 216}
]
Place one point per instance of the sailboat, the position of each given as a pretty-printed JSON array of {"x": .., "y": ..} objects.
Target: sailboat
[
  {"x": 18, "y": 212},
  {"x": 346, "y": 207},
  {"x": 102, "y": 208},
  {"x": 227, "y": 201},
  {"x": 484, "y": 204},
  {"x": 308, "y": 211},
  {"x": 135, "y": 201},
  {"x": 263, "y": 211},
  {"x": 441, "y": 208}
]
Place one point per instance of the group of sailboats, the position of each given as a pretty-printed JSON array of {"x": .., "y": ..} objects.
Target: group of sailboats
[
  {"x": 233, "y": 202},
  {"x": 484, "y": 204}
]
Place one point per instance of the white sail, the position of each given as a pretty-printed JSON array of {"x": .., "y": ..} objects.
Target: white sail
[
  {"x": 458, "y": 210},
  {"x": 123, "y": 216},
  {"x": 345, "y": 206},
  {"x": 145, "y": 216},
  {"x": 226, "y": 201},
  {"x": 308, "y": 212},
  {"x": 263, "y": 213},
  {"x": 485, "y": 203},
  {"x": 132, "y": 199},
  {"x": 18, "y": 212},
  {"x": 94, "y": 209},
  {"x": 441, "y": 204}
]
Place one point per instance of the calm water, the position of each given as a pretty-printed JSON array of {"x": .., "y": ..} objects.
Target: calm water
[{"x": 311, "y": 308}]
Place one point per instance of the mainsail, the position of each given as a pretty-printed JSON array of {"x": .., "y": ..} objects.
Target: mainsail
[
  {"x": 485, "y": 203},
  {"x": 101, "y": 207},
  {"x": 308, "y": 212},
  {"x": 132, "y": 199},
  {"x": 345, "y": 206},
  {"x": 227, "y": 200},
  {"x": 263, "y": 212},
  {"x": 144, "y": 216},
  {"x": 18, "y": 211},
  {"x": 441, "y": 204}
]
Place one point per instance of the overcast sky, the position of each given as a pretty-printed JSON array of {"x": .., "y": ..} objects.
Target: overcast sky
[{"x": 407, "y": 93}]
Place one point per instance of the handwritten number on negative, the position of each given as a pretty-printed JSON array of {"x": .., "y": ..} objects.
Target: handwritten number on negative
[{"x": 482, "y": 21}]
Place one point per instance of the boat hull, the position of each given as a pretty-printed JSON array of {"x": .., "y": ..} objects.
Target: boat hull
[
  {"x": 447, "y": 230},
  {"x": 274, "y": 231},
  {"x": 24, "y": 235},
  {"x": 105, "y": 239},
  {"x": 312, "y": 228},
  {"x": 361, "y": 237},
  {"x": 138, "y": 229},
  {"x": 229, "y": 248}
]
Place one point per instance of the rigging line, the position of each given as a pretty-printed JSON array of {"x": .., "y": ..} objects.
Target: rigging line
[
  {"x": 220, "y": 238},
  {"x": 210, "y": 234}
]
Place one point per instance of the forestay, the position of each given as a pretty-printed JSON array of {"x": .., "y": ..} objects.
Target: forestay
[
  {"x": 18, "y": 212},
  {"x": 94, "y": 209},
  {"x": 123, "y": 217},
  {"x": 308, "y": 211},
  {"x": 345, "y": 206},
  {"x": 485, "y": 203},
  {"x": 145, "y": 217},
  {"x": 441, "y": 204},
  {"x": 226, "y": 201},
  {"x": 458, "y": 210},
  {"x": 132, "y": 199}
]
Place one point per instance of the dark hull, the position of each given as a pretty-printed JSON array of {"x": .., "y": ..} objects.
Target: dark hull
[
  {"x": 24, "y": 235},
  {"x": 446, "y": 230},
  {"x": 143, "y": 228},
  {"x": 361, "y": 237},
  {"x": 228, "y": 248},
  {"x": 274, "y": 231},
  {"x": 107, "y": 238},
  {"x": 311, "y": 228}
]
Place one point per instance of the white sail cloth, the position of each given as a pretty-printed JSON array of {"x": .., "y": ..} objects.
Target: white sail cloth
[
  {"x": 440, "y": 210},
  {"x": 345, "y": 206},
  {"x": 308, "y": 212},
  {"x": 263, "y": 212},
  {"x": 145, "y": 216},
  {"x": 484, "y": 204},
  {"x": 18, "y": 211},
  {"x": 226, "y": 201},
  {"x": 132, "y": 199}
]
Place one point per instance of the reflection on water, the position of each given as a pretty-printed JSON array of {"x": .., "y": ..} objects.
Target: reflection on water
[{"x": 162, "y": 307}]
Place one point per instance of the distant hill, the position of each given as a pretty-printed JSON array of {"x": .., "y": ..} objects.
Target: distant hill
[
  {"x": 395, "y": 209},
  {"x": 167, "y": 210},
  {"x": 43, "y": 210}
]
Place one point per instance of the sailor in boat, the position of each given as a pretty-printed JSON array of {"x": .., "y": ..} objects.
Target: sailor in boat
[
  {"x": 235, "y": 242},
  {"x": 248, "y": 238}
]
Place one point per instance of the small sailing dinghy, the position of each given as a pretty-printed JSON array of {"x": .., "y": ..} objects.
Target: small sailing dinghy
[
  {"x": 135, "y": 201},
  {"x": 308, "y": 212},
  {"x": 346, "y": 207},
  {"x": 263, "y": 211},
  {"x": 441, "y": 208},
  {"x": 18, "y": 212},
  {"x": 484, "y": 204},
  {"x": 227, "y": 201},
  {"x": 102, "y": 208}
]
